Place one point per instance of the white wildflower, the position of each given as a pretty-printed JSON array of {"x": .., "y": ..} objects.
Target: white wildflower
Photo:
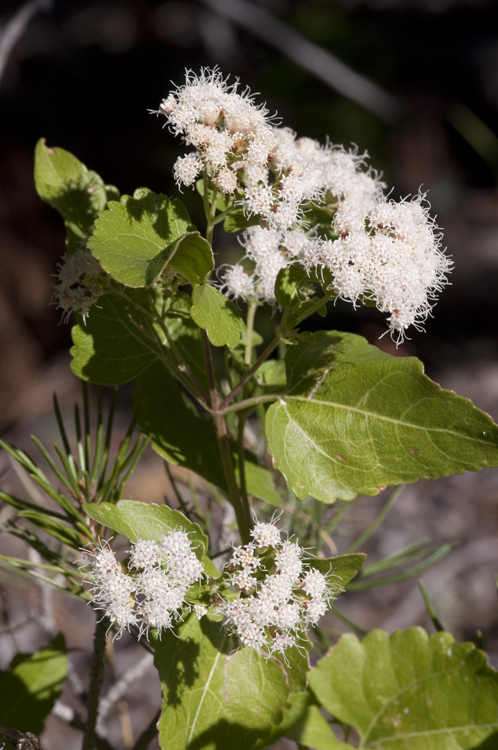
[
  {"x": 200, "y": 610},
  {"x": 176, "y": 544},
  {"x": 280, "y": 595},
  {"x": 314, "y": 610},
  {"x": 265, "y": 534},
  {"x": 314, "y": 584},
  {"x": 145, "y": 554},
  {"x": 186, "y": 169},
  {"x": 152, "y": 593},
  {"x": 384, "y": 252},
  {"x": 236, "y": 283},
  {"x": 80, "y": 283},
  {"x": 226, "y": 181}
]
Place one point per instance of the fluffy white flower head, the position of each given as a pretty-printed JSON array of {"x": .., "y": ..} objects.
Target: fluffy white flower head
[
  {"x": 151, "y": 594},
  {"x": 280, "y": 593}
]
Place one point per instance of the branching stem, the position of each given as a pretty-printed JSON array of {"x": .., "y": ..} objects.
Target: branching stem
[{"x": 241, "y": 509}]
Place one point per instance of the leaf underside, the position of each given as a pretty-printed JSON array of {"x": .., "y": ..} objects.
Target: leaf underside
[{"x": 355, "y": 420}]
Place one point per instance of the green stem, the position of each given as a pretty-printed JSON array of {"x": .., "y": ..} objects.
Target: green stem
[
  {"x": 210, "y": 209},
  {"x": 249, "y": 404},
  {"x": 431, "y": 610},
  {"x": 184, "y": 368},
  {"x": 251, "y": 313},
  {"x": 244, "y": 380},
  {"x": 242, "y": 468},
  {"x": 241, "y": 511},
  {"x": 96, "y": 678}
]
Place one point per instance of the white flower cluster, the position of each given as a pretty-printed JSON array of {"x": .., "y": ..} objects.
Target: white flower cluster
[
  {"x": 376, "y": 249},
  {"x": 151, "y": 593},
  {"x": 281, "y": 595},
  {"x": 80, "y": 283}
]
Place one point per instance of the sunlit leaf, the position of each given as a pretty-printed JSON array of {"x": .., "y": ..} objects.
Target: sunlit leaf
[
  {"x": 214, "y": 697},
  {"x": 409, "y": 691},
  {"x": 134, "y": 239},
  {"x": 149, "y": 521},
  {"x": 217, "y": 315},
  {"x": 192, "y": 256},
  {"x": 355, "y": 419},
  {"x": 78, "y": 194}
]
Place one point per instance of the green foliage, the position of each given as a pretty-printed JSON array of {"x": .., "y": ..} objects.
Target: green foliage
[
  {"x": 237, "y": 220},
  {"x": 355, "y": 419},
  {"x": 289, "y": 283},
  {"x": 304, "y": 723},
  {"x": 68, "y": 186},
  {"x": 191, "y": 255},
  {"x": 342, "y": 568},
  {"x": 148, "y": 521},
  {"x": 346, "y": 419},
  {"x": 409, "y": 691},
  {"x": 30, "y": 686},
  {"x": 213, "y": 697},
  {"x": 117, "y": 342},
  {"x": 219, "y": 317},
  {"x": 132, "y": 238},
  {"x": 177, "y": 431},
  {"x": 184, "y": 438}
]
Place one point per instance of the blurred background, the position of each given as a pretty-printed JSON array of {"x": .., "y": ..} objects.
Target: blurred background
[{"x": 413, "y": 82}]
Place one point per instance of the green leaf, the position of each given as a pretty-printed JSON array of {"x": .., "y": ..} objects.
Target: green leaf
[
  {"x": 57, "y": 529},
  {"x": 184, "y": 438},
  {"x": 215, "y": 698},
  {"x": 304, "y": 724},
  {"x": 289, "y": 283},
  {"x": 217, "y": 315},
  {"x": 259, "y": 482},
  {"x": 30, "y": 685},
  {"x": 192, "y": 256},
  {"x": 342, "y": 568},
  {"x": 313, "y": 731},
  {"x": 271, "y": 376},
  {"x": 294, "y": 712},
  {"x": 136, "y": 520},
  {"x": 410, "y": 691},
  {"x": 68, "y": 186},
  {"x": 177, "y": 431},
  {"x": 355, "y": 419},
  {"x": 135, "y": 238},
  {"x": 237, "y": 220},
  {"x": 110, "y": 348}
]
